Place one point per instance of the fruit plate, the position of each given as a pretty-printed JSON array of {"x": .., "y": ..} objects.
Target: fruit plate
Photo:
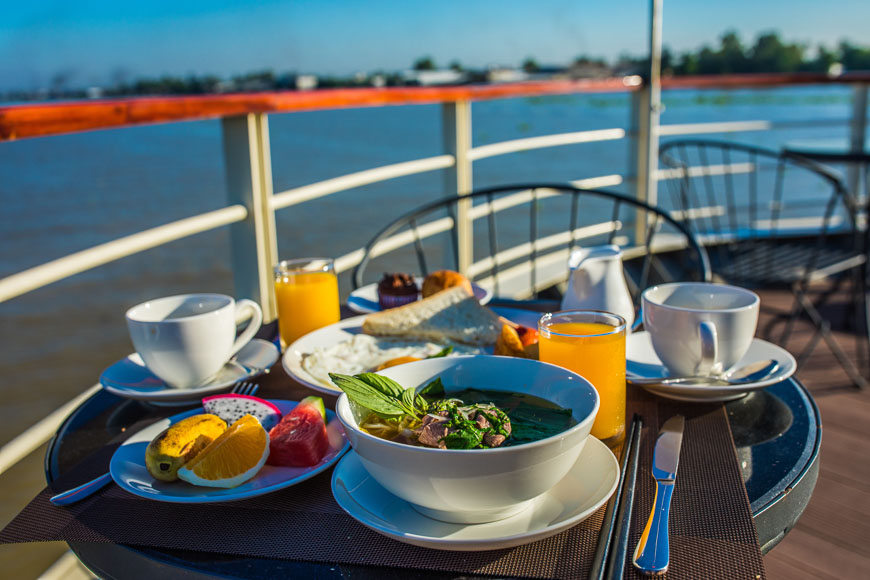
[{"x": 129, "y": 472}]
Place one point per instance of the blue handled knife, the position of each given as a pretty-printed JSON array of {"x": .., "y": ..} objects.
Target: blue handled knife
[{"x": 652, "y": 554}]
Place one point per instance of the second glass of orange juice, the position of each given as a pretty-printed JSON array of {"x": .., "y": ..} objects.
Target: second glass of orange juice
[
  {"x": 592, "y": 344},
  {"x": 306, "y": 293}
]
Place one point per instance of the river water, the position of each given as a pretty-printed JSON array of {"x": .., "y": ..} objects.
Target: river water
[{"x": 69, "y": 193}]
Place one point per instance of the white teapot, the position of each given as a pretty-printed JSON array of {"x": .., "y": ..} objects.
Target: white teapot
[{"x": 597, "y": 282}]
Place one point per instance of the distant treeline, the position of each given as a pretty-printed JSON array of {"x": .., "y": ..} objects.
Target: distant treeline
[{"x": 768, "y": 54}]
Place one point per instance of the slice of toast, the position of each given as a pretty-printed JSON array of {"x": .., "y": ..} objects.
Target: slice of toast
[{"x": 452, "y": 314}]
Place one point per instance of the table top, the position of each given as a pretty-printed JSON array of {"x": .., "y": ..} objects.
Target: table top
[{"x": 776, "y": 433}]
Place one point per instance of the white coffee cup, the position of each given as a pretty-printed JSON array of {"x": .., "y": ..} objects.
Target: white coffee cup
[
  {"x": 186, "y": 339},
  {"x": 700, "y": 329}
]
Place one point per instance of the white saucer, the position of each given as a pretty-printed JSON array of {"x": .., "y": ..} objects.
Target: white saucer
[
  {"x": 345, "y": 330},
  {"x": 129, "y": 472},
  {"x": 587, "y": 487},
  {"x": 642, "y": 361},
  {"x": 131, "y": 379},
  {"x": 365, "y": 299}
]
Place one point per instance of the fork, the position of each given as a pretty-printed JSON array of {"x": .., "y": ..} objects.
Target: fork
[
  {"x": 245, "y": 388},
  {"x": 79, "y": 493}
]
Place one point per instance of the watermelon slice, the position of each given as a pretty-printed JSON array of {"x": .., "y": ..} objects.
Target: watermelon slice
[{"x": 299, "y": 439}]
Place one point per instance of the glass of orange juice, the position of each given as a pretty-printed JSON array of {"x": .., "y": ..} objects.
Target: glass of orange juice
[
  {"x": 592, "y": 344},
  {"x": 306, "y": 293}
]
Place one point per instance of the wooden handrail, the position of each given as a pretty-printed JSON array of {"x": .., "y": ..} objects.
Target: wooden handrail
[{"x": 45, "y": 119}]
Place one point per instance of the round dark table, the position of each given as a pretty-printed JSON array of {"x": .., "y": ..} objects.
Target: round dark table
[{"x": 777, "y": 435}]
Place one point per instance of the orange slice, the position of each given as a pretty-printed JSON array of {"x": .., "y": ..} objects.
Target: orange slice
[
  {"x": 396, "y": 362},
  {"x": 232, "y": 459}
]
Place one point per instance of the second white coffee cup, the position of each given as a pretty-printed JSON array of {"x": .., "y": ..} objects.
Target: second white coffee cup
[
  {"x": 186, "y": 339},
  {"x": 699, "y": 329}
]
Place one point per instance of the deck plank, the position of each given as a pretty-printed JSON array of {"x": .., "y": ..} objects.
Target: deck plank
[
  {"x": 849, "y": 528},
  {"x": 779, "y": 564},
  {"x": 829, "y": 540},
  {"x": 824, "y": 558},
  {"x": 849, "y": 412},
  {"x": 846, "y": 455}
]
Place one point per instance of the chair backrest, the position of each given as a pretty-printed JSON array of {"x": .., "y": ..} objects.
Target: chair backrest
[
  {"x": 730, "y": 192},
  {"x": 855, "y": 166},
  {"x": 521, "y": 236},
  {"x": 766, "y": 217}
]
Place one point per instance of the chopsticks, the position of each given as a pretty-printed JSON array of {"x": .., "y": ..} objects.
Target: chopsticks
[{"x": 609, "y": 558}]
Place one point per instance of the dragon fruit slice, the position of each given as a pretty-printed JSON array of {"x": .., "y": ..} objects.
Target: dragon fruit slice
[{"x": 232, "y": 407}]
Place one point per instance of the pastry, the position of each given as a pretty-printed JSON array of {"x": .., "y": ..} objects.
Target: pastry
[
  {"x": 396, "y": 289},
  {"x": 443, "y": 279}
]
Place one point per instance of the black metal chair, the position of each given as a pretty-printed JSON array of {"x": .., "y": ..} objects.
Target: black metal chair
[
  {"x": 770, "y": 219},
  {"x": 520, "y": 237}
]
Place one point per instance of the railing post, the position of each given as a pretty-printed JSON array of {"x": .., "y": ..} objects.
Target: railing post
[
  {"x": 638, "y": 135},
  {"x": 857, "y": 134},
  {"x": 456, "y": 127},
  {"x": 646, "y": 107},
  {"x": 249, "y": 182}
]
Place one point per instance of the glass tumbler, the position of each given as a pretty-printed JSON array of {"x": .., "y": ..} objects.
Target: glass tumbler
[
  {"x": 306, "y": 294},
  {"x": 592, "y": 344}
]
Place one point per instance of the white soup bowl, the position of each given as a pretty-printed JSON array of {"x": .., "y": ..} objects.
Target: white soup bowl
[{"x": 477, "y": 485}]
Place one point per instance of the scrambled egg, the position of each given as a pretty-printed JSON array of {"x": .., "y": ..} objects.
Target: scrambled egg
[{"x": 363, "y": 353}]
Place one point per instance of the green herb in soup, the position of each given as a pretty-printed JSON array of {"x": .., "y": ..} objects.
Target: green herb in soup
[
  {"x": 468, "y": 419},
  {"x": 532, "y": 418}
]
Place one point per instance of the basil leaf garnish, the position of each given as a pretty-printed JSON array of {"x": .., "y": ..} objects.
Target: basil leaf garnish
[
  {"x": 381, "y": 383},
  {"x": 366, "y": 395},
  {"x": 409, "y": 397},
  {"x": 434, "y": 390},
  {"x": 442, "y": 353}
]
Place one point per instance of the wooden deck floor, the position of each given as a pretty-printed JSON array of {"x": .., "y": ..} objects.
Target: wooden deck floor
[{"x": 830, "y": 539}]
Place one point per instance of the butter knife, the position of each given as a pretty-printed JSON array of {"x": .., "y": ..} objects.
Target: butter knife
[{"x": 652, "y": 554}]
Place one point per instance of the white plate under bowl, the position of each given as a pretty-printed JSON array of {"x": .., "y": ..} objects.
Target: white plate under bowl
[
  {"x": 345, "y": 330},
  {"x": 642, "y": 361},
  {"x": 587, "y": 487},
  {"x": 365, "y": 298},
  {"x": 131, "y": 379},
  {"x": 129, "y": 472}
]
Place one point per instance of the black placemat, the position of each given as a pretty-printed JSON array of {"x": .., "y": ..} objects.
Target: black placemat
[{"x": 712, "y": 533}]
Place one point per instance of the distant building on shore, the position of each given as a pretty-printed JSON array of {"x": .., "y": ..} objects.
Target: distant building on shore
[
  {"x": 590, "y": 69},
  {"x": 306, "y": 82},
  {"x": 498, "y": 74},
  {"x": 433, "y": 77}
]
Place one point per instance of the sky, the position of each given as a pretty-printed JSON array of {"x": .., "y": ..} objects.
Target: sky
[{"x": 94, "y": 42}]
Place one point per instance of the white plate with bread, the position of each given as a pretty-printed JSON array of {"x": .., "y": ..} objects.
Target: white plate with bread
[
  {"x": 365, "y": 299},
  {"x": 450, "y": 319}
]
